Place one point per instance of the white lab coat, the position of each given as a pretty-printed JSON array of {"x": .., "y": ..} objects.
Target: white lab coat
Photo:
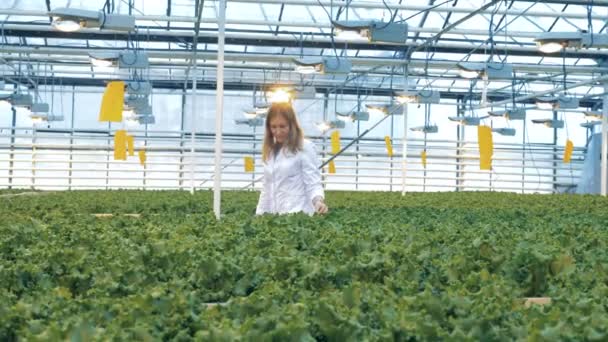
[{"x": 291, "y": 181}]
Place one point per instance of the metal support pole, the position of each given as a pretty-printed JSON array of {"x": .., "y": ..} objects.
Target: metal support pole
[
  {"x": 391, "y": 158},
  {"x": 357, "y": 147},
  {"x": 11, "y": 163},
  {"x": 255, "y": 146},
  {"x": 181, "y": 141},
  {"x": 324, "y": 137},
  {"x": 404, "y": 152},
  {"x": 219, "y": 116},
  {"x": 193, "y": 127},
  {"x": 108, "y": 152},
  {"x": 523, "y": 159},
  {"x": 460, "y": 110},
  {"x": 145, "y": 149},
  {"x": 193, "y": 63},
  {"x": 71, "y": 138},
  {"x": 424, "y": 173},
  {"x": 34, "y": 141},
  {"x": 604, "y": 168},
  {"x": 554, "y": 154}
]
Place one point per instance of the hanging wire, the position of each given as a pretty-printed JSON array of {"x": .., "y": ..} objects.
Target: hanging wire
[
  {"x": 391, "y": 15},
  {"x": 564, "y": 76},
  {"x": 589, "y": 20},
  {"x": 331, "y": 20},
  {"x": 527, "y": 137},
  {"x": 524, "y": 86},
  {"x": 426, "y": 67},
  {"x": 491, "y": 33},
  {"x": 423, "y": 11},
  {"x": 506, "y": 28},
  {"x": 470, "y": 53}
]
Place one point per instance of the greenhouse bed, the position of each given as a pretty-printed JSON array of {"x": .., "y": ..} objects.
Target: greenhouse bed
[{"x": 379, "y": 266}]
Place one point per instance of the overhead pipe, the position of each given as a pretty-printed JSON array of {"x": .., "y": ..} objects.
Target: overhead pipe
[
  {"x": 238, "y": 66},
  {"x": 161, "y": 31},
  {"x": 278, "y": 37},
  {"x": 193, "y": 67},
  {"x": 363, "y": 61},
  {"x": 182, "y": 92}
]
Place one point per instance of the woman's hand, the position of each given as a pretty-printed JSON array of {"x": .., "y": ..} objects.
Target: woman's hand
[{"x": 319, "y": 205}]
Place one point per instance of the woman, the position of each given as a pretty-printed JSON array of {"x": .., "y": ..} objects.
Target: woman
[{"x": 292, "y": 179}]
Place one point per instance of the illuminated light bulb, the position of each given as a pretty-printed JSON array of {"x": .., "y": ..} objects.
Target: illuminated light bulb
[
  {"x": 550, "y": 47},
  {"x": 469, "y": 73},
  {"x": 279, "y": 96},
  {"x": 350, "y": 34},
  {"x": 307, "y": 69},
  {"x": 377, "y": 111},
  {"x": 261, "y": 111},
  {"x": 323, "y": 126},
  {"x": 101, "y": 63},
  {"x": 250, "y": 115},
  {"x": 407, "y": 99},
  {"x": 345, "y": 118},
  {"x": 66, "y": 25}
]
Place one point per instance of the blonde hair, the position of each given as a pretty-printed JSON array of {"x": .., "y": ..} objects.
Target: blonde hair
[{"x": 295, "y": 137}]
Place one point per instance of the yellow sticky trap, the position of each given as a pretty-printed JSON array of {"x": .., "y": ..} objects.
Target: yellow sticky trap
[
  {"x": 389, "y": 146},
  {"x": 568, "y": 151},
  {"x": 130, "y": 143},
  {"x": 335, "y": 142},
  {"x": 120, "y": 145},
  {"x": 332, "y": 167},
  {"x": 142, "y": 157},
  {"x": 423, "y": 157},
  {"x": 112, "y": 102},
  {"x": 486, "y": 147},
  {"x": 249, "y": 165}
]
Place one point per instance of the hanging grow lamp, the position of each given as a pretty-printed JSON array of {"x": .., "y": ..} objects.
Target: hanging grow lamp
[
  {"x": 559, "y": 102},
  {"x": 550, "y": 123},
  {"x": 323, "y": 65},
  {"x": 491, "y": 70},
  {"x": 509, "y": 114},
  {"x": 372, "y": 30},
  {"x": 73, "y": 19},
  {"x": 353, "y": 116},
  {"x": 429, "y": 129},
  {"x": 420, "y": 96}
]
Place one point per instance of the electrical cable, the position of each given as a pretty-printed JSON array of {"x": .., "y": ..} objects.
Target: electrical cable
[
  {"x": 423, "y": 11},
  {"x": 331, "y": 20},
  {"x": 589, "y": 20},
  {"x": 468, "y": 55},
  {"x": 392, "y": 17},
  {"x": 527, "y": 138}
]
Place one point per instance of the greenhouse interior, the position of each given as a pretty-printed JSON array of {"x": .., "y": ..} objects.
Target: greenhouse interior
[{"x": 304, "y": 170}]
